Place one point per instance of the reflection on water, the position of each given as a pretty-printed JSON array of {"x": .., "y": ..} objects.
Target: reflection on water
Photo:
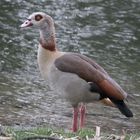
[{"x": 107, "y": 31}]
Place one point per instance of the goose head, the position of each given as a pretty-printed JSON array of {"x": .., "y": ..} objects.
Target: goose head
[{"x": 37, "y": 19}]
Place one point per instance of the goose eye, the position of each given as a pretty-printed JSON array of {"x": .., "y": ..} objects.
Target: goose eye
[{"x": 38, "y": 17}]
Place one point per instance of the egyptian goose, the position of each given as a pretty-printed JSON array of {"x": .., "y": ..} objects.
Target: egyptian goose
[{"x": 78, "y": 78}]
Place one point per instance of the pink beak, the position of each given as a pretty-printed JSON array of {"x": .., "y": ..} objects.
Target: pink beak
[{"x": 27, "y": 23}]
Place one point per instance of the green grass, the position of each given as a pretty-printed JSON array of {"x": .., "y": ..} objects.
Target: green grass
[
  {"x": 85, "y": 134},
  {"x": 133, "y": 137},
  {"x": 44, "y": 132}
]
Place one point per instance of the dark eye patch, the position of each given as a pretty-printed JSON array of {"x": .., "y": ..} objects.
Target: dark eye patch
[{"x": 38, "y": 17}]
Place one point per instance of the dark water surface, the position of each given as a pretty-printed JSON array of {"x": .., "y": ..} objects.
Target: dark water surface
[{"x": 105, "y": 30}]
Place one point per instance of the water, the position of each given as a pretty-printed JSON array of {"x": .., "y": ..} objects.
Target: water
[{"x": 107, "y": 31}]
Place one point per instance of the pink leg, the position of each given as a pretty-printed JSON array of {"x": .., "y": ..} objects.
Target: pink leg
[
  {"x": 75, "y": 119},
  {"x": 82, "y": 115}
]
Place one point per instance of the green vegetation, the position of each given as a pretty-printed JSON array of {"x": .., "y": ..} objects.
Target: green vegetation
[
  {"x": 85, "y": 134},
  {"x": 48, "y": 132}
]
